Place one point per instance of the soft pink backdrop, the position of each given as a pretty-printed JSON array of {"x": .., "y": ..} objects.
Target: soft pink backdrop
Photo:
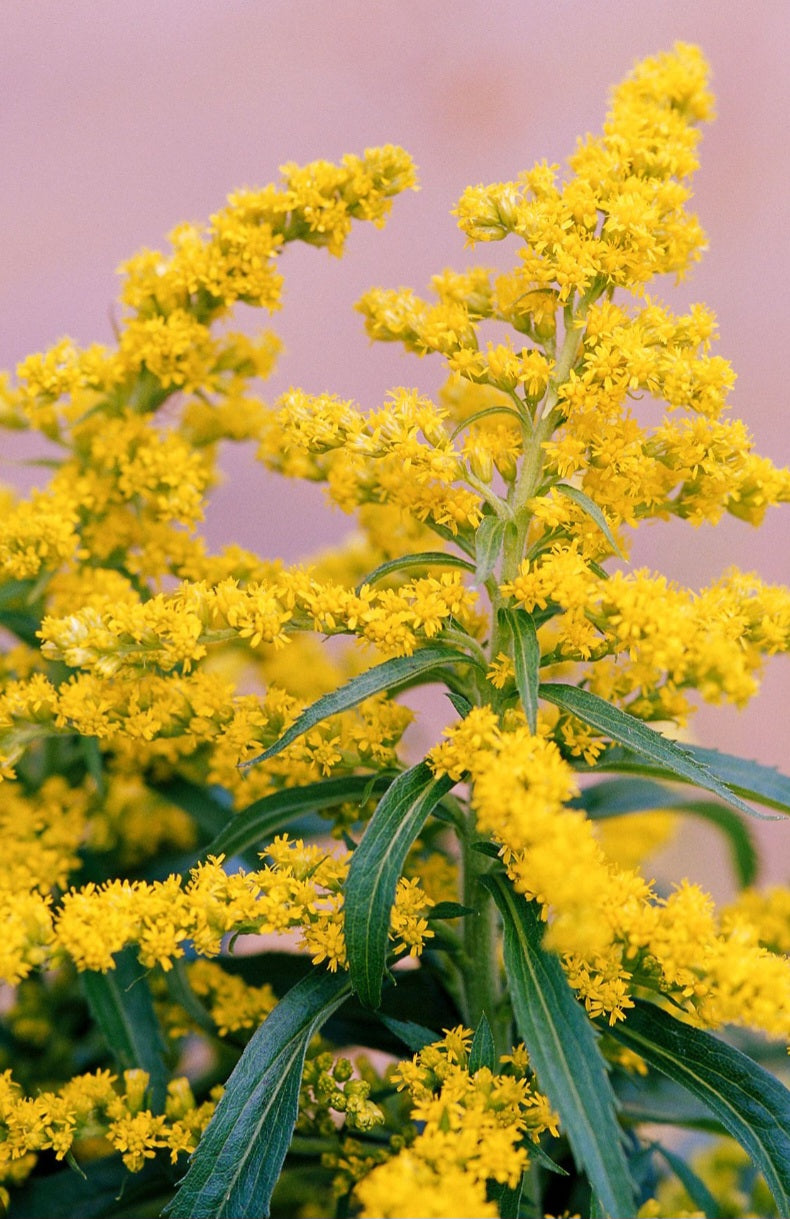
[{"x": 119, "y": 119}]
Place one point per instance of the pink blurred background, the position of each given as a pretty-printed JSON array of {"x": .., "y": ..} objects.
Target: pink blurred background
[{"x": 120, "y": 119}]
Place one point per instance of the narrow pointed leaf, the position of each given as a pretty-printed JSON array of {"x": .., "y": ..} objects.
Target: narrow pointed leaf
[
  {"x": 238, "y": 1161},
  {"x": 694, "y": 1186},
  {"x": 482, "y": 1052},
  {"x": 488, "y": 544},
  {"x": 386, "y": 676},
  {"x": 267, "y": 816},
  {"x": 121, "y": 1004},
  {"x": 508, "y": 1200},
  {"x": 620, "y": 797},
  {"x": 526, "y": 660},
  {"x": 751, "y": 1104},
  {"x": 444, "y": 910},
  {"x": 592, "y": 510},
  {"x": 751, "y": 779},
  {"x": 376, "y": 865},
  {"x": 415, "y": 1036},
  {"x": 210, "y": 813},
  {"x": 563, "y": 1048},
  {"x": 746, "y": 778},
  {"x": 640, "y": 739},
  {"x": 461, "y": 704},
  {"x": 430, "y": 558}
]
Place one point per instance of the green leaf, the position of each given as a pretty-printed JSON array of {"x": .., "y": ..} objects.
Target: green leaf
[
  {"x": 238, "y": 1160},
  {"x": 449, "y": 910},
  {"x": 488, "y": 543},
  {"x": 121, "y": 1004},
  {"x": 640, "y": 739},
  {"x": 386, "y": 676},
  {"x": 482, "y": 1052},
  {"x": 563, "y": 1049},
  {"x": 526, "y": 659},
  {"x": 508, "y": 1200},
  {"x": 620, "y": 797},
  {"x": 751, "y": 1104},
  {"x": 415, "y": 1036},
  {"x": 753, "y": 780},
  {"x": 694, "y": 1186},
  {"x": 592, "y": 510},
  {"x": 462, "y": 705},
  {"x": 376, "y": 865},
  {"x": 267, "y": 816},
  {"x": 105, "y": 1190},
  {"x": 209, "y": 812},
  {"x": 23, "y": 625},
  {"x": 486, "y": 848},
  {"x": 430, "y": 558}
]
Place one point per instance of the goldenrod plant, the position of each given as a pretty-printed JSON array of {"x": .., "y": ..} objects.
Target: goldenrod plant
[{"x": 259, "y": 957}]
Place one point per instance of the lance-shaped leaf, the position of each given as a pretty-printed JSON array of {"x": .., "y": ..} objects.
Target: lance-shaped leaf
[
  {"x": 488, "y": 543},
  {"x": 526, "y": 660},
  {"x": 121, "y": 1004},
  {"x": 746, "y": 778},
  {"x": 763, "y": 783},
  {"x": 430, "y": 558},
  {"x": 482, "y": 1052},
  {"x": 694, "y": 1186},
  {"x": 619, "y": 797},
  {"x": 750, "y": 1103},
  {"x": 592, "y": 510},
  {"x": 387, "y": 676},
  {"x": 563, "y": 1048},
  {"x": 270, "y": 814},
  {"x": 376, "y": 865},
  {"x": 640, "y": 739},
  {"x": 238, "y": 1160},
  {"x": 415, "y": 1036}
]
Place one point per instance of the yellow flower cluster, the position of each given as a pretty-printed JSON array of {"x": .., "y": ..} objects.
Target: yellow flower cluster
[
  {"x": 399, "y": 455},
  {"x": 614, "y": 932},
  {"x": 621, "y": 219},
  {"x": 91, "y": 1107},
  {"x": 146, "y": 666},
  {"x": 301, "y": 889},
  {"x": 474, "y": 1127},
  {"x": 650, "y": 640}
]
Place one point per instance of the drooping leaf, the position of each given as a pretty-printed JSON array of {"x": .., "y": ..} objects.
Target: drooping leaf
[
  {"x": 121, "y": 1004},
  {"x": 461, "y": 704},
  {"x": 449, "y": 910},
  {"x": 640, "y": 739},
  {"x": 751, "y": 1104},
  {"x": 620, "y": 797},
  {"x": 105, "y": 1190},
  {"x": 488, "y": 544},
  {"x": 563, "y": 1048},
  {"x": 376, "y": 865},
  {"x": 387, "y": 676},
  {"x": 482, "y": 1052},
  {"x": 694, "y": 1186},
  {"x": 210, "y": 812},
  {"x": 746, "y": 778},
  {"x": 256, "y": 823},
  {"x": 526, "y": 660},
  {"x": 508, "y": 1200},
  {"x": 237, "y": 1163},
  {"x": 415, "y": 1036},
  {"x": 592, "y": 510},
  {"x": 430, "y": 558}
]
